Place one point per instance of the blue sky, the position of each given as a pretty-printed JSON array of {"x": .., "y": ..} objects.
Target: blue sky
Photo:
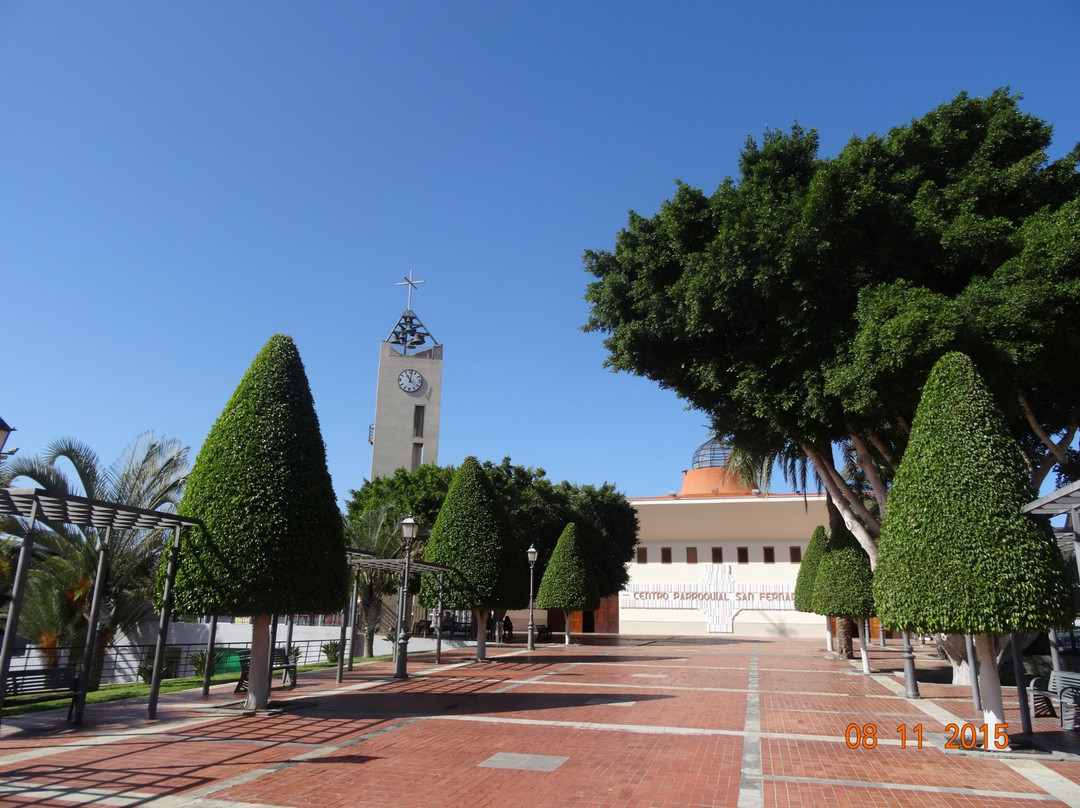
[{"x": 180, "y": 181}]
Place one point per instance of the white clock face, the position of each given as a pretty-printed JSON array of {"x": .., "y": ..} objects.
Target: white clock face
[{"x": 410, "y": 380}]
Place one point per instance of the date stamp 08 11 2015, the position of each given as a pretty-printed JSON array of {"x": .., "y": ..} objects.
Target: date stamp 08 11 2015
[{"x": 961, "y": 736}]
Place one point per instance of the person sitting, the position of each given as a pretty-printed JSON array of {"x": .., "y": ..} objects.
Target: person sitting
[{"x": 508, "y": 629}]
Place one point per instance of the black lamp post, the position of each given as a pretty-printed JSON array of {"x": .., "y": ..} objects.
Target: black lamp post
[
  {"x": 5, "y": 433},
  {"x": 531, "y": 553},
  {"x": 409, "y": 527}
]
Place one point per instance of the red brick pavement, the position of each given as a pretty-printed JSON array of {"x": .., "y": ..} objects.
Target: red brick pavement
[{"x": 651, "y": 722}]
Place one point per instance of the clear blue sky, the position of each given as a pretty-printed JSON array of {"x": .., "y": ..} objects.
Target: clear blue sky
[{"x": 179, "y": 181}]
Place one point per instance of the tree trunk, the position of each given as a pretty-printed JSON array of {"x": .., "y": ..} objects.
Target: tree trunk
[
  {"x": 97, "y": 664},
  {"x": 990, "y": 685},
  {"x": 828, "y": 635},
  {"x": 861, "y": 625},
  {"x": 844, "y": 648},
  {"x": 955, "y": 649},
  {"x": 258, "y": 695},
  {"x": 369, "y": 642},
  {"x": 481, "y": 634},
  {"x": 566, "y": 620}
]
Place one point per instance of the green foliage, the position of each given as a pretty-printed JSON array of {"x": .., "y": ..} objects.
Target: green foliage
[
  {"x": 843, "y": 586},
  {"x": 472, "y": 534},
  {"x": 538, "y": 511},
  {"x": 956, "y": 553},
  {"x": 198, "y": 662},
  {"x": 149, "y": 474},
  {"x": 330, "y": 649},
  {"x": 804, "y": 302},
  {"x": 568, "y": 582},
  {"x": 419, "y": 493},
  {"x": 808, "y": 568},
  {"x": 273, "y": 540},
  {"x": 607, "y": 527}
]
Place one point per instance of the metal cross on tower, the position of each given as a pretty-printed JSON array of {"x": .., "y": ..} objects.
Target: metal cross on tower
[{"x": 412, "y": 285}]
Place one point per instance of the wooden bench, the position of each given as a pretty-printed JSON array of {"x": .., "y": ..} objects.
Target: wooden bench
[
  {"x": 1062, "y": 686},
  {"x": 543, "y": 634},
  {"x": 42, "y": 684},
  {"x": 280, "y": 661}
]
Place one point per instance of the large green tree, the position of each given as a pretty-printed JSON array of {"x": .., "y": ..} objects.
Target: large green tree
[
  {"x": 568, "y": 583},
  {"x": 802, "y": 304},
  {"x": 149, "y": 474},
  {"x": 957, "y": 499},
  {"x": 538, "y": 511},
  {"x": 273, "y": 541},
  {"x": 472, "y": 534}
]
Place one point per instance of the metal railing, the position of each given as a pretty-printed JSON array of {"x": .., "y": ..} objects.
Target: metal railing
[{"x": 125, "y": 664}]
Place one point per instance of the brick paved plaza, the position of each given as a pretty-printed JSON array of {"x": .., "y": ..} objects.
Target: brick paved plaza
[{"x": 657, "y": 722}]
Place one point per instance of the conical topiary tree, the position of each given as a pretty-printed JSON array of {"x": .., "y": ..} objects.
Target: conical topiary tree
[
  {"x": 273, "y": 541},
  {"x": 569, "y": 583},
  {"x": 808, "y": 567},
  {"x": 956, "y": 554},
  {"x": 804, "y": 582},
  {"x": 472, "y": 534},
  {"x": 843, "y": 586}
]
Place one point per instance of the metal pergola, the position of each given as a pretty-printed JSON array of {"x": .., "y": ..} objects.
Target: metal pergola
[
  {"x": 1064, "y": 500},
  {"x": 36, "y": 504},
  {"x": 359, "y": 560}
]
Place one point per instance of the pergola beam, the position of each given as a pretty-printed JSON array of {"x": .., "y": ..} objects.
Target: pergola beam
[{"x": 37, "y": 504}]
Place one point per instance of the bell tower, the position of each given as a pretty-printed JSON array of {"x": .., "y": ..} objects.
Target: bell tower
[{"x": 407, "y": 396}]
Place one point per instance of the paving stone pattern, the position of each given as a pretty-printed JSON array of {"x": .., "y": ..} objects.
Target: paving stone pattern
[{"x": 607, "y": 721}]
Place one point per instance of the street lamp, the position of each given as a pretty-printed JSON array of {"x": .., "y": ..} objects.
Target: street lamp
[
  {"x": 409, "y": 527},
  {"x": 5, "y": 433},
  {"x": 531, "y": 553}
]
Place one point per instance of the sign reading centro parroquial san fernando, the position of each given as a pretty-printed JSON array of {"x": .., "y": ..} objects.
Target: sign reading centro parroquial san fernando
[{"x": 718, "y": 595}]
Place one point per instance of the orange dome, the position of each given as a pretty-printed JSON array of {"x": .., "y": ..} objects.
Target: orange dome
[{"x": 713, "y": 481}]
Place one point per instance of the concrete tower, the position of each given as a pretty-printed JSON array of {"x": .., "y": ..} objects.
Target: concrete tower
[{"x": 407, "y": 398}]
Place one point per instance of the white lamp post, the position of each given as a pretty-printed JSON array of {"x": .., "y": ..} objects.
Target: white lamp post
[
  {"x": 531, "y": 553},
  {"x": 408, "y": 533}
]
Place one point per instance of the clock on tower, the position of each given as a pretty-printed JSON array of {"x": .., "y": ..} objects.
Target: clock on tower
[{"x": 407, "y": 397}]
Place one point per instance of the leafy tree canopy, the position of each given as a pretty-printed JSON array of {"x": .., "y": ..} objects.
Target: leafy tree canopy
[
  {"x": 538, "y": 511},
  {"x": 273, "y": 541},
  {"x": 472, "y": 534},
  {"x": 957, "y": 555},
  {"x": 843, "y": 586},
  {"x": 803, "y": 304},
  {"x": 804, "y": 583},
  {"x": 568, "y": 582}
]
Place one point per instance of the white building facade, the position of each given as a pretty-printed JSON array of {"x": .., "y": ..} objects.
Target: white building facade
[{"x": 719, "y": 557}]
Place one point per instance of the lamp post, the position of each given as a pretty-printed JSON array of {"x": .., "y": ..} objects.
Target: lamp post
[
  {"x": 5, "y": 433},
  {"x": 408, "y": 533},
  {"x": 531, "y": 553}
]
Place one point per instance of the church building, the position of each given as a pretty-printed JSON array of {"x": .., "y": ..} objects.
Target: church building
[
  {"x": 718, "y": 557},
  {"x": 407, "y": 397}
]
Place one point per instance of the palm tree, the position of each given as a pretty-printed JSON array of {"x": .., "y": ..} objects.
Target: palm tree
[
  {"x": 149, "y": 474},
  {"x": 375, "y": 531}
]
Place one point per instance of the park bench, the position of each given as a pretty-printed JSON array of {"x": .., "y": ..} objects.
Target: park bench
[
  {"x": 1062, "y": 686},
  {"x": 457, "y": 627},
  {"x": 543, "y": 634},
  {"x": 42, "y": 684},
  {"x": 280, "y": 661}
]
